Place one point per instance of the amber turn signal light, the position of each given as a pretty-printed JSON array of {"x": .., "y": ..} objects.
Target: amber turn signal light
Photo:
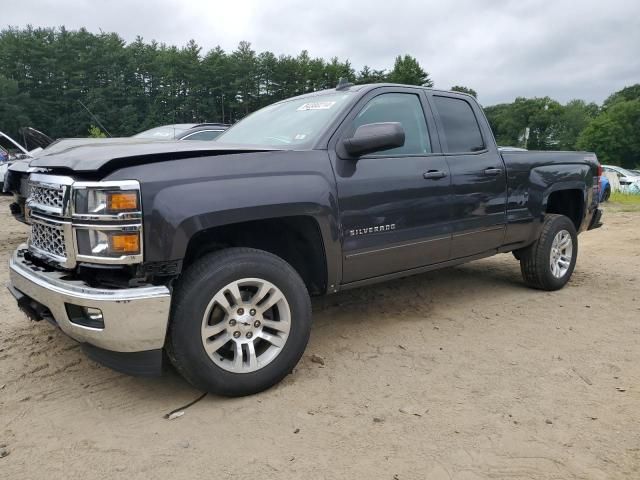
[
  {"x": 126, "y": 243},
  {"x": 122, "y": 201}
]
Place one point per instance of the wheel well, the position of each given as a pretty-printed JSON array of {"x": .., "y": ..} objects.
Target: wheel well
[
  {"x": 297, "y": 240},
  {"x": 569, "y": 203}
]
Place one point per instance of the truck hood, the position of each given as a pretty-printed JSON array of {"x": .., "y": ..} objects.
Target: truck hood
[{"x": 113, "y": 153}]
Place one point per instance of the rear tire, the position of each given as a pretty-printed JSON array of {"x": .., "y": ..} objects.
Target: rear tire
[
  {"x": 606, "y": 194},
  {"x": 548, "y": 263},
  {"x": 238, "y": 346}
]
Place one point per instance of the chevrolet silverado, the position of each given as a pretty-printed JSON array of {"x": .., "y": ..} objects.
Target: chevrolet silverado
[{"x": 209, "y": 252}]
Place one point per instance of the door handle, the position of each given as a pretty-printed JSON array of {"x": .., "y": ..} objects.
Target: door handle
[
  {"x": 434, "y": 175},
  {"x": 493, "y": 171}
]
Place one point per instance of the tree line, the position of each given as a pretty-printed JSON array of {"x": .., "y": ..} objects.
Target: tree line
[
  {"x": 49, "y": 75},
  {"x": 45, "y": 73},
  {"x": 612, "y": 129}
]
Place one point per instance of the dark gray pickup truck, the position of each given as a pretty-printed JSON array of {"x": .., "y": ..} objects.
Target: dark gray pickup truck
[{"x": 210, "y": 251}]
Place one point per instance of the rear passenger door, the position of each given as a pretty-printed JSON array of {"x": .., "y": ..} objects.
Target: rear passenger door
[
  {"x": 478, "y": 175},
  {"x": 394, "y": 210}
]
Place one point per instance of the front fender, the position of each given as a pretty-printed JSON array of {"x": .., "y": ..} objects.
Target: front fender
[
  {"x": 181, "y": 198},
  {"x": 179, "y": 212}
]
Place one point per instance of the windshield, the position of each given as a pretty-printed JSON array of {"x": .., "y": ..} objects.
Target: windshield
[
  {"x": 294, "y": 123},
  {"x": 168, "y": 132}
]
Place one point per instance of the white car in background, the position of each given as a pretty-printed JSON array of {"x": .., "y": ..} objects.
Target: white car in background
[
  {"x": 626, "y": 177},
  {"x": 10, "y": 150}
]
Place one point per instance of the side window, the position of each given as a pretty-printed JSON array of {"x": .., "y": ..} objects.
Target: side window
[
  {"x": 203, "y": 135},
  {"x": 461, "y": 127},
  {"x": 404, "y": 108}
]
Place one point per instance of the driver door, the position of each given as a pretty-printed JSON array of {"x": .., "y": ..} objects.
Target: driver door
[{"x": 394, "y": 204}]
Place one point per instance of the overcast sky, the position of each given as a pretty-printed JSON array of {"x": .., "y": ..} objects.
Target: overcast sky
[{"x": 501, "y": 48}]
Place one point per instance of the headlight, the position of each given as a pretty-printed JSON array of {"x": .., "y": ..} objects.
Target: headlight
[
  {"x": 116, "y": 244},
  {"x": 107, "y": 222},
  {"x": 93, "y": 201}
]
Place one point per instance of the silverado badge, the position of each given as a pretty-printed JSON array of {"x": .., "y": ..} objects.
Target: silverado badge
[{"x": 380, "y": 228}]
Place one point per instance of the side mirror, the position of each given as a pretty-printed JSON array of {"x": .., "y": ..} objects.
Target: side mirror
[{"x": 374, "y": 137}]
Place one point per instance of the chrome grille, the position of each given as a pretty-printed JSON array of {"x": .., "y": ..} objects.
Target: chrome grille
[
  {"x": 47, "y": 211},
  {"x": 51, "y": 196},
  {"x": 48, "y": 239}
]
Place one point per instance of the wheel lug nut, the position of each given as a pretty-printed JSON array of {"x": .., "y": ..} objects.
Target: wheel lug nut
[
  {"x": 232, "y": 322},
  {"x": 252, "y": 312},
  {"x": 241, "y": 311},
  {"x": 256, "y": 324},
  {"x": 249, "y": 334},
  {"x": 236, "y": 334}
]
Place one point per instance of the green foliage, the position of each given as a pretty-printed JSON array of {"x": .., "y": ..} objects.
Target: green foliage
[
  {"x": 615, "y": 134},
  {"x": 612, "y": 132},
  {"x": 12, "y": 116},
  {"x": 461, "y": 89},
  {"x": 574, "y": 118},
  {"x": 541, "y": 116},
  {"x": 367, "y": 75},
  {"x": 626, "y": 94},
  {"x": 47, "y": 72},
  {"x": 133, "y": 87},
  {"x": 623, "y": 202},
  {"x": 95, "y": 132},
  {"x": 408, "y": 71},
  {"x": 626, "y": 199}
]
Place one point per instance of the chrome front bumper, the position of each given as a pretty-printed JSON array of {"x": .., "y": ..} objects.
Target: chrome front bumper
[{"x": 135, "y": 319}]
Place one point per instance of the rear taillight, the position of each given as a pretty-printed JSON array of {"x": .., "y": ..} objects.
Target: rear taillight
[{"x": 596, "y": 187}]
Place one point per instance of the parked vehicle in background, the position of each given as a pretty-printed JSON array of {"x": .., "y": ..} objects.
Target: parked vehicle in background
[
  {"x": 4, "y": 166},
  {"x": 605, "y": 189},
  {"x": 184, "y": 131},
  {"x": 626, "y": 177},
  {"x": 10, "y": 151},
  {"x": 34, "y": 140},
  {"x": 14, "y": 149},
  {"x": 210, "y": 251}
]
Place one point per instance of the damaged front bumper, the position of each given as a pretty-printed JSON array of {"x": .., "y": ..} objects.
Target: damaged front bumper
[{"x": 122, "y": 328}]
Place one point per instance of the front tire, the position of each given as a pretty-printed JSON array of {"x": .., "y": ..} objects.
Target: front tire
[
  {"x": 240, "y": 322},
  {"x": 606, "y": 194},
  {"x": 548, "y": 263}
]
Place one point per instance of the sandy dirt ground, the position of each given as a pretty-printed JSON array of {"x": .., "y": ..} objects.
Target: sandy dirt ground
[{"x": 459, "y": 374}]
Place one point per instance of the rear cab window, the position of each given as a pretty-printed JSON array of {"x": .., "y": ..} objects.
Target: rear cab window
[{"x": 461, "y": 130}]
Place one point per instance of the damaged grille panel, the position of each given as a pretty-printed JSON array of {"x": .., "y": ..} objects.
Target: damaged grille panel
[{"x": 47, "y": 196}]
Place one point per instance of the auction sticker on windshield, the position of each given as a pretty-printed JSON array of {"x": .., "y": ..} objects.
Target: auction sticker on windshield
[{"x": 316, "y": 106}]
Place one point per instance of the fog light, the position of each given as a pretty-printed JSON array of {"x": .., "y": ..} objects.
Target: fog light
[
  {"x": 85, "y": 316},
  {"x": 93, "y": 314}
]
